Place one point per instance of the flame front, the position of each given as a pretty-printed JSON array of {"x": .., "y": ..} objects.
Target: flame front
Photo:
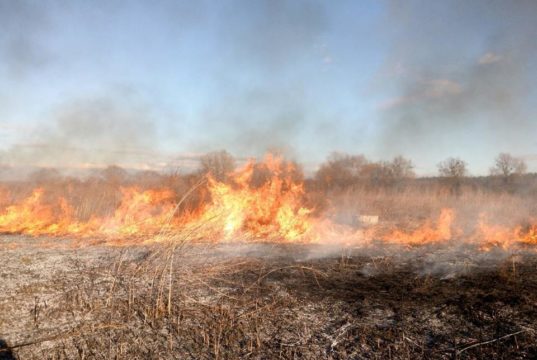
[
  {"x": 237, "y": 209},
  {"x": 140, "y": 212},
  {"x": 427, "y": 233},
  {"x": 273, "y": 210},
  {"x": 491, "y": 236},
  {"x": 242, "y": 208}
]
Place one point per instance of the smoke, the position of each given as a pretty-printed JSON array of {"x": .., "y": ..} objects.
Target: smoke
[
  {"x": 268, "y": 106},
  {"x": 101, "y": 130},
  {"x": 254, "y": 121},
  {"x": 272, "y": 35},
  {"x": 457, "y": 69},
  {"x": 22, "y": 25},
  {"x": 463, "y": 67}
]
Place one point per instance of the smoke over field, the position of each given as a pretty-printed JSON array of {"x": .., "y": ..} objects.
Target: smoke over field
[
  {"x": 232, "y": 250},
  {"x": 268, "y": 179}
]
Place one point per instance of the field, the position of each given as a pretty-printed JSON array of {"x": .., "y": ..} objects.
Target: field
[
  {"x": 441, "y": 275},
  {"x": 263, "y": 301}
]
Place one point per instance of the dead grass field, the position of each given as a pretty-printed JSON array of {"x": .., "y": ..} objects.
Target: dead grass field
[
  {"x": 260, "y": 301},
  {"x": 68, "y": 298}
]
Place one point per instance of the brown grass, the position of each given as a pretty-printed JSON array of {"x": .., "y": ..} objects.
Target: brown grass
[
  {"x": 177, "y": 299},
  {"x": 195, "y": 302}
]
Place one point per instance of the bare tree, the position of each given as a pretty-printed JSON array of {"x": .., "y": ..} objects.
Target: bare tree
[
  {"x": 401, "y": 168},
  {"x": 341, "y": 169},
  {"x": 507, "y": 165},
  {"x": 218, "y": 163},
  {"x": 454, "y": 168}
]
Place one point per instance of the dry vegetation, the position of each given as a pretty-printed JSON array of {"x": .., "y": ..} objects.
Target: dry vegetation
[
  {"x": 181, "y": 299},
  {"x": 261, "y": 301}
]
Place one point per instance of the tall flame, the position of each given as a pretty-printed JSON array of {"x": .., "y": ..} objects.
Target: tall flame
[
  {"x": 271, "y": 210},
  {"x": 247, "y": 206}
]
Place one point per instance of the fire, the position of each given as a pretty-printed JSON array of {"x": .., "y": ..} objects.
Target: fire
[
  {"x": 258, "y": 202},
  {"x": 33, "y": 216},
  {"x": 528, "y": 236},
  {"x": 139, "y": 212},
  {"x": 492, "y": 236},
  {"x": 427, "y": 233},
  {"x": 272, "y": 210}
]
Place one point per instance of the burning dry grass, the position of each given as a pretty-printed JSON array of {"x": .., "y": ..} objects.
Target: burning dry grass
[
  {"x": 424, "y": 215},
  {"x": 264, "y": 269},
  {"x": 276, "y": 209},
  {"x": 271, "y": 209}
]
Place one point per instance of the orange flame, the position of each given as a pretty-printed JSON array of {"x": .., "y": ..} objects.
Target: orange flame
[
  {"x": 33, "y": 216},
  {"x": 272, "y": 210},
  {"x": 492, "y": 236},
  {"x": 427, "y": 233},
  {"x": 241, "y": 208},
  {"x": 140, "y": 212}
]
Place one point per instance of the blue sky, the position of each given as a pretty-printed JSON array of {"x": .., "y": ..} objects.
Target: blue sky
[{"x": 135, "y": 82}]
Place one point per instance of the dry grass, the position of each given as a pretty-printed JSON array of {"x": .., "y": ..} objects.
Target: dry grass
[
  {"x": 262, "y": 301},
  {"x": 182, "y": 300},
  {"x": 412, "y": 205}
]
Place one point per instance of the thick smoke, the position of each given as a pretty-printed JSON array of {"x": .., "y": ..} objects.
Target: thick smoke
[{"x": 462, "y": 67}]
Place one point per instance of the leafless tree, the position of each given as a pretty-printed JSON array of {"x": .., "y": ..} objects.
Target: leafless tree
[
  {"x": 401, "y": 168},
  {"x": 506, "y": 165},
  {"x": 218, "y": 163},
  {"x": 454, "y": 168},
  {"x": 341, "y": 169}
]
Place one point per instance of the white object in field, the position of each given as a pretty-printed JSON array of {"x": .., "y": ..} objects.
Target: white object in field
[{"x": 368, "y": 220}]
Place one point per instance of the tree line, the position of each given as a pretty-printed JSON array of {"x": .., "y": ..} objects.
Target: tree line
[
  {"x": 341, "y": 168},
  {"x": 338, "y": 171}
]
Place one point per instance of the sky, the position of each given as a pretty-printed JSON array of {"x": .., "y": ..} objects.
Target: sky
[{"x": 155, "y": 84}]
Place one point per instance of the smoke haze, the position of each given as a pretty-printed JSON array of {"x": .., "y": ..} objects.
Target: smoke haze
[
  {"x": 423, "y": 79},
  {"x": 465, "y": 77}
]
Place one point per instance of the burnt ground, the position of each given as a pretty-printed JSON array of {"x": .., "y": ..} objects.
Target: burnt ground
[{"x": 262, "y": 301}]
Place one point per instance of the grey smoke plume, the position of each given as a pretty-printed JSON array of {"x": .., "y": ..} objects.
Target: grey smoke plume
[
  {"x": 270, "y": 106},
  {"x": 102, "y": 130},
  {"x": 247, "y": 116},
  {"x": 462, "y": 67},
  {"x": 270, "y": 35},
  {"x": 254, "y": 121},
  {"x": 22, "y": 24}
]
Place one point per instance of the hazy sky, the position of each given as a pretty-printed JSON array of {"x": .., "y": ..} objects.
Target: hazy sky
[{"x": 154, "y": 81}]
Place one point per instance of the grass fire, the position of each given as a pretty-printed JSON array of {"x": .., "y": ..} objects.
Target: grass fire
[
  {"x": 268, "y": 179},
  {"x": 261, "y": 201},
  {"x": 230, "y": 252}
]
